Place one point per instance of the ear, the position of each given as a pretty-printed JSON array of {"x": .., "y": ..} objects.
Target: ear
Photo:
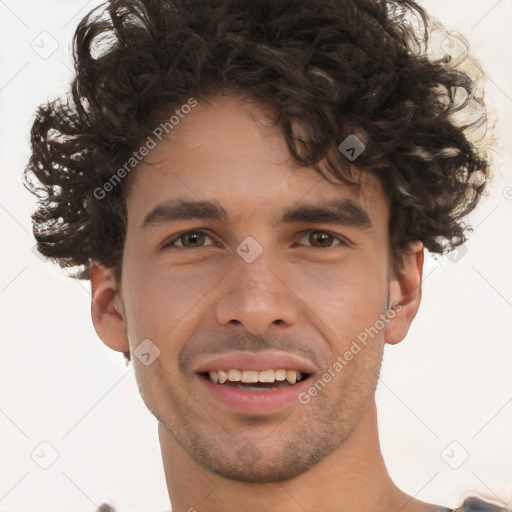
[
  {"x": 404, "y": 293},
  {"x": 107, "y": 309}
]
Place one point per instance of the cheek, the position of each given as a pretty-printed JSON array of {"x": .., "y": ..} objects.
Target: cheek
[
  {"x": 163, "y": 303},
  {"x": 347, "y": 297}
]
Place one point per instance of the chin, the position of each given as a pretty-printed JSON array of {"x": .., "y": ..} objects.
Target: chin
[
  {"x": 261, "y": 473},
  {"x": 251, "y": 465}
]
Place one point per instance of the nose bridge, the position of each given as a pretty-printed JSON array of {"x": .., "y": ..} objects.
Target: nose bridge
[{"x": 256, "y": 295}]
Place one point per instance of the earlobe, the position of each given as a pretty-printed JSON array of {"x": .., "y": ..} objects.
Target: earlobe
[
  {"x": 405, "y": 293},
  {"x": 106, "y": 309}
]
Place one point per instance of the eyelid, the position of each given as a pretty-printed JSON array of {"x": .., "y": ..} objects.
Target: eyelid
[
  {"x": 171, "y": 242},
  {"x": 343, "y": 241}
]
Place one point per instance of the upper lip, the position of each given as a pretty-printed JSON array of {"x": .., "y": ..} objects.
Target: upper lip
[{"x": 264, "y": 360}]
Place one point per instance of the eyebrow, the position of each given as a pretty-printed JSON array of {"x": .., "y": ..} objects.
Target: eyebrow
[{"x": 343, "y": 212}]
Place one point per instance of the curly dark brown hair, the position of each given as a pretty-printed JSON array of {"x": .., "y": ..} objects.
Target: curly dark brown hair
[{"x": 331, "y": 67}]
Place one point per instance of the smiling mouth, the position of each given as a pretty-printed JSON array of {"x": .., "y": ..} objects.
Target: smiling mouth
[{"x": 255, "y": 380}]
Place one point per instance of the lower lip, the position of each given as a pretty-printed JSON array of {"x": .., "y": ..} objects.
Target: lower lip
[{"x": 255, "y": 401}]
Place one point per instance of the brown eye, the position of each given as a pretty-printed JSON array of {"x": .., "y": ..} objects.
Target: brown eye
[
  {"x": 189, "y": 240},
  {"x": 323, "y": 239},
  {"x": 192, "y": 239}
]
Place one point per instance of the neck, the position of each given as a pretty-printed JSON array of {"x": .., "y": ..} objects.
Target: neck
[{"x": 353, "y": 477}]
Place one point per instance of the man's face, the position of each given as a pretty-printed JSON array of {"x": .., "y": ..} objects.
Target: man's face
[{"x": 317, "y": 284}]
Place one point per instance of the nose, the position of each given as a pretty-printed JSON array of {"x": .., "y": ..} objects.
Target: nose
[{"x": 258, "y": 297}]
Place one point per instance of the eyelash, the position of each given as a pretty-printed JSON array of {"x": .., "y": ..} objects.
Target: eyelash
[{"x": 171, "y": 242}]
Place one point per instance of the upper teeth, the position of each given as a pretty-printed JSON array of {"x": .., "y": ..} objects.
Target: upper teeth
[{"x": 251, "y": 376}]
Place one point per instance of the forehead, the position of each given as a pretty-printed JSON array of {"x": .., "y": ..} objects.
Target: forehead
[{"x": 229, "y": 151}]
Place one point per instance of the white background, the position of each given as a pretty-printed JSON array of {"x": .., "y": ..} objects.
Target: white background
[{"x": 449, "y": 381}]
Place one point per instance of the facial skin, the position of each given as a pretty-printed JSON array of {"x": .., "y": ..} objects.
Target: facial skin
[{"x": 315, "y": 287}]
